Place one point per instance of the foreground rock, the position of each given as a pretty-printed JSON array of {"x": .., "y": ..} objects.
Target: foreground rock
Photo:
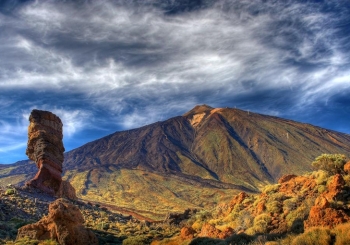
[
  {"x": 322, "y": 213},
  {"x": 45, "y": 148},
  {"x": 64, "y": 224}
]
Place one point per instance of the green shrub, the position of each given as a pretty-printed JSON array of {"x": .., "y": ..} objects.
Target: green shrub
[
  {"x": 347, "y": 179},
  {"x": 273, "y": 207},
  {"x": 321, "y": 189},
  {"x": 10, "y": 192},
  {"x": 314, "y": 236},
  {"x": 29, "y": 241},
  {"x": 202, "y": 215},
  {"x": 342, "y": 234},
  {"x": 268, "y": 189},
  {"x": 331, "y": 163},
  {"x": 296, "y": 217},
  {"x": 261, "y": 223},
  {"x": 290, "y": 204},
  {"x": 320, "y": 176},
  {"x": 48, "y": 242},
  {"x": 243, "y": 220},
  {"x": 136, "y": 240},
  {"x": 23, "y": 241}
]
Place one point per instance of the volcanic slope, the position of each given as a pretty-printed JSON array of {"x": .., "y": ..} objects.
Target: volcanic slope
[{"x": 194, "y": 160}]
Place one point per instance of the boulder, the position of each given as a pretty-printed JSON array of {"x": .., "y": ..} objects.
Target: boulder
[
  {"x": 286, "y": 178},
  {"x": 209, "y": 230},
  {"x": 347, "y": 167},
  {"x": 322, "y": 213},
  {"x": 325, "y": 217},
  {"x": 334, "y": 188},
  {"x": 187, "y": 233},
  {"x": 238, "y": 199},
  {"x": 64, "y": 224},
  {"x": 291, "y": 185},
  {"x": 45, "y": 148}
]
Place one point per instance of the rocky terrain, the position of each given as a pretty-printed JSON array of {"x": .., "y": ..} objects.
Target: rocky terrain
[
  {"x": 196, "y": 160},
  {"x": 313, "y": 208},
  {"x": 198, "y": 152},
  {"x": 20, "y": 206},
  {"x": 309, "y": 209}
]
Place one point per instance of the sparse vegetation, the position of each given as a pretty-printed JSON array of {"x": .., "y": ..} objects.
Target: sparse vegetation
[
  {"x": 314, "y": 236},
  {"x": 342, "y": 234},
  {"x": 276, "y": 216},
  {"x": 10, "y": 192},
  {"x": 136, "y": 240},
  {"x": 331, "y": 163}
]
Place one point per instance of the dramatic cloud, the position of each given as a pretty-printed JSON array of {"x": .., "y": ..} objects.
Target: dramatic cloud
[{"x": 104, "y": 66}]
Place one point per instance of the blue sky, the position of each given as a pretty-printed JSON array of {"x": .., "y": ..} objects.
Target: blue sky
[{"x": 105, "y": 66}]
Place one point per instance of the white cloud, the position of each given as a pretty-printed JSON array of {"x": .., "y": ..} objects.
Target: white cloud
[
  {"x": 73, "y": 121},
  {"x": 13, "y": 137},
  {"x": 206, "y": 48},
  {"x": 134, "y": 61}
]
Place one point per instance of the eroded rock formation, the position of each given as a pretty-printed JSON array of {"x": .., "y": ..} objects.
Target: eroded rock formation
[
  {"x": 45, "y": 148},
  {"x": 64, "y": 224}
]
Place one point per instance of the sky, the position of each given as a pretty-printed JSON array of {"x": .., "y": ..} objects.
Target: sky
[{"x": 106, "y": 66}]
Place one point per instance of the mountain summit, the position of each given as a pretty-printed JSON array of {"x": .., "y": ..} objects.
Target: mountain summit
[{"x": 184, "y": 160}]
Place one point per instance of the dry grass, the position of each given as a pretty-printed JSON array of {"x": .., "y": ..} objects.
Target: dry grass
[{"x": 138, "y": 190}]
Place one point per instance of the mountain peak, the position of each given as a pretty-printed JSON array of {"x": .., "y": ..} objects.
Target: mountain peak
[
  {"x": 198, "y": 114},
  {"x": 198, "y": 109}
]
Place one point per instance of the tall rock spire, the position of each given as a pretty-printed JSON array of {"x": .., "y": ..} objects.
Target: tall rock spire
[{"x": 45, "y": 148}]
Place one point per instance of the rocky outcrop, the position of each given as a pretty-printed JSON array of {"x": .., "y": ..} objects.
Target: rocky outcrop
[
  {"x": 291, "y": 185},
  {"x": 66, "y": 190},
  {"x": 45, "y": 148},
  {"x": 177, "y": 218},
  {"x": 187, "y": 233},
  {"x": 238, "y": 199},
  {"x": 63, "y": 224},
  {"x": 286, "y": 178},
  {"x": 347, "y": 167},
  {"x": 335, "y": 187},
  {"x": 322, "y": 213},
  {"x": 209, "y": 230}
]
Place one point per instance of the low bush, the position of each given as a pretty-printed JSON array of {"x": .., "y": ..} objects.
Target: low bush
[
  {"x": 273, "y": 207},
  {"x": 290, "y": 204},
  {"x": 342, "y": 234},
  {"x": 268, "y": 189},
  {"x": 331, "y": 163},
  {"x": 314, "y": 236},
  {"x": 136, "y": 240},
  {"x": 320, "y": 176},
  {"x": 244, "y": 220},
  {"x": 10, "y": 192},
  {"x": 261, "y": 223}
]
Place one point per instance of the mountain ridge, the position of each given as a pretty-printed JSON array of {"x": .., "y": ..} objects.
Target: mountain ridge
[{"x": 207, "y": 151}]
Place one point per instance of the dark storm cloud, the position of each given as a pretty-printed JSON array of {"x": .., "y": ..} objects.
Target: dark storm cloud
[{"x": 110, "y": 65}]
